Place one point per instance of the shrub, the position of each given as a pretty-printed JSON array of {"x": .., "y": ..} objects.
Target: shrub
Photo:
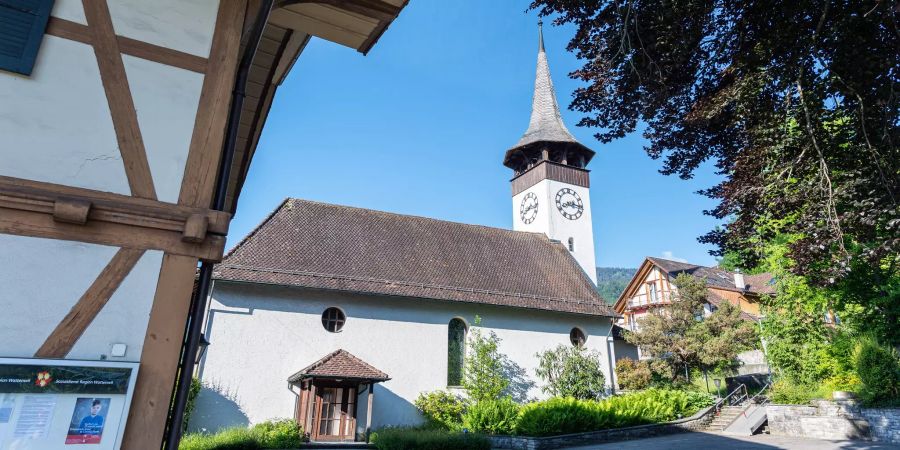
[
  {"x": 633, "y": 375},
  {"x": 789, "y": 392},
  {"x": 416, "y": 439},
  {"x": 698, "y": 400},
  {"x": 878, "y": 367},
  {"x": 193, "y": 392},
  {"x": 285, "y": 433},
  {"x": 568, "y": 415},
  {"x": 492, "y": 416},
  {"x": 483, "y": 377},
  {"x": 237, "y": 438},
  {"x": 571, "y": 371},
  {"x": 442, "y": 409},
  {"x": 277, "y": 434}
]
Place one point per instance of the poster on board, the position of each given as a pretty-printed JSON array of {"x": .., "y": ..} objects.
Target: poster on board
[{"x": 64, "y": 404}]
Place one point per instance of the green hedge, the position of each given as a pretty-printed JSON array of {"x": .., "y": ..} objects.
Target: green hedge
[
  {"x": 567, "y": 415},
  {"x": 278, "y": 434},
  {"x": 492, "y": 416},
  {"x": 424, "y": 439}
]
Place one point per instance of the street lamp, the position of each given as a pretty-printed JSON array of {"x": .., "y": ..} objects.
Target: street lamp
[
  {"x": 201, "y": 348},
  {"x": 717, "y": 382}
]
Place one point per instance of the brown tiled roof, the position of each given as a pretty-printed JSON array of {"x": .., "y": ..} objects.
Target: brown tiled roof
[
  {"x": 322, "y": 246},
  {"x": 715, "y": 277},
  {"x": 715, "y": 299},
  {"x": 340, "y": 364}
]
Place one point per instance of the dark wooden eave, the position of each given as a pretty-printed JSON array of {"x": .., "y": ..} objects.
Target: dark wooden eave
[{"x": 354, "y": 23}]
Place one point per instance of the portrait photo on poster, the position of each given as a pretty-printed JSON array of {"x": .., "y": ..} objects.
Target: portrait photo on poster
[{"x": 88, "y": 419}]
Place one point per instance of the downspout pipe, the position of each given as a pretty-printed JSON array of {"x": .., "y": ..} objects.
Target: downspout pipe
[{"x": 194, "y": 324}]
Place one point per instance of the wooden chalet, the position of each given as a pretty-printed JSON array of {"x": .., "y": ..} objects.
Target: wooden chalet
[{"x": 653, "y": 286}]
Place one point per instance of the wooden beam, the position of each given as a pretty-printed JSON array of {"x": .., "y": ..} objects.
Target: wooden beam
[
  {"x": 201, "y": 168},
  {"x": 118, "y": 95},
  {"x": 39, "y": 224},
  {"x": 71, "y": 210},
  {"x": 38, "y": 196},
  {"x": 375, "y": 9},
  {"x": 67, "y": 333},
  {"x": 159, "y": 357},
  {"x": 82, "y": 33}
]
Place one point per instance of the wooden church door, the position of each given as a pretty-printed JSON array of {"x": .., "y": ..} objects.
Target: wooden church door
[{"x": 335, "y": 414}]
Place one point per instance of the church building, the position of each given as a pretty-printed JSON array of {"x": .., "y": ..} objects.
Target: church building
[{"x": 340, "y": 317}]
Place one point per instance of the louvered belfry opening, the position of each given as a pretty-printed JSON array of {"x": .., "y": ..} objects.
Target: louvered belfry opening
[{"x": 547, "y": 138}]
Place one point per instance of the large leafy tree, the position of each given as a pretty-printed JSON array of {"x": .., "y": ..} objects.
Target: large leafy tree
[
  {"x": 795, "y": 102},
  {"x": 680, "y": 334}
]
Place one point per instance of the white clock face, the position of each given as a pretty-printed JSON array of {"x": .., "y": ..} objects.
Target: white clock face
[
  {"x": 569, "y": 204},
  {"x": 529, "y": 208}
]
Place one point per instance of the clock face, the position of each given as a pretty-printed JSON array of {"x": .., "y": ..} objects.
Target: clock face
[
  {"x": 569, "y": 203},
  {"x": 529, "y": 208}
]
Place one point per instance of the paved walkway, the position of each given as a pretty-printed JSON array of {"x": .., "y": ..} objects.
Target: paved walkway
[{"x": 709, "y": 441}]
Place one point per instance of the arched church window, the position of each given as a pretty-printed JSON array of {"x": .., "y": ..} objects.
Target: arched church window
[
  {"x": 333, "y": 319},
  {"x": 577, "y": 337},
  {"x": 456, "y": 351},
  {"x": 571, "y": 244}
]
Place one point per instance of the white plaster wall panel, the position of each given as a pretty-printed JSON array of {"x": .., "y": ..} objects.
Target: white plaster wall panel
[
  {"x": 41, "y": 280},
  {"x": 260, "y": 335},
  {"x": 166, "y": 100},
  {"x": 184, "y": 25},
  {"x": 70, "y": 10},
  {"x": 56, "y": 126},
  {"x": 124, "y": 318}
]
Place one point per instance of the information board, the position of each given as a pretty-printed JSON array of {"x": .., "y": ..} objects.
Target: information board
[{"x": 51, "y": 404}]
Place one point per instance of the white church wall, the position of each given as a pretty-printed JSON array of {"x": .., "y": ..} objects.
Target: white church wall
[{"x": 260, "y": 335}]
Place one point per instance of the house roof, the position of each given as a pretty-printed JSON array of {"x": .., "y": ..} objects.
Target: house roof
[
  {"x": 714, "y": 277},
  {"x": 322, "y": 246},
  {"x": 340, "y": 364}
]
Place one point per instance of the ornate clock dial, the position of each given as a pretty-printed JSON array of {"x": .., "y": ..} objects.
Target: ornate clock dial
[
  {"x": 529, "y": 208},
  {"x": 569, "y": 203}
]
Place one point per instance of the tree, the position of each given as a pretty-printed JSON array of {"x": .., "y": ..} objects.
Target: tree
[
  {"x": 484, "y": 377},
  {"x": 679, "y": 334},
  {"x": 723, "y": 335},
  {"x": 571, "y": 371},
  {"x": 795, "y": 102}
]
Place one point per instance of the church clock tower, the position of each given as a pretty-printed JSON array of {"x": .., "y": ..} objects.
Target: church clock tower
[{"x": 551, "y": 187}]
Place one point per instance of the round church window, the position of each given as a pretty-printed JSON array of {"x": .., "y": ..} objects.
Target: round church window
[
  {"x": 577, "y": 337},
  {"x": 333, "y": 319}
]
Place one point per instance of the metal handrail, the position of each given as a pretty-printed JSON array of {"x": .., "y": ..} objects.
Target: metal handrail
[
  {"x": 759, "y": 394},
  {"x": 728, "y": 400}
]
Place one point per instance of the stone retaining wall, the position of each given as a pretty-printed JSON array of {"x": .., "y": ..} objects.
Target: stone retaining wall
[
  {"x": 884, "y": 423},
  {"x": 697, "y": 422},
  {"x": 842, "y": 419}
]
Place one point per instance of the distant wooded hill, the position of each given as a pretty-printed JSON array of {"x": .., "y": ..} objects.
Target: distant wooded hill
[{"x": 611, "y": 281}]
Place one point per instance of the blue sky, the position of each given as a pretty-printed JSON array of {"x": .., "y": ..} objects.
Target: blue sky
[{"x": 420, "y": 125}]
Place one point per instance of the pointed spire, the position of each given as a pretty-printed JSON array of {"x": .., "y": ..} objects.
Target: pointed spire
[
  {"x": 546, "y": 122},
  {"x": 540, "y": 36},
  {"x": 546, "y": 127}
]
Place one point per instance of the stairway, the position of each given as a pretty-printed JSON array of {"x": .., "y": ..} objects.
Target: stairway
[{"x": 726, "y": 415}]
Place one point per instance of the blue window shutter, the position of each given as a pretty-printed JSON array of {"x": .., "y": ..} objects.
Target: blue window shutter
[{"x": 22, "y": 24}]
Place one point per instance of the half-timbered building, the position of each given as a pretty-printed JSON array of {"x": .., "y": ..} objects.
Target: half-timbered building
[
  {"x": 126, "y": 130},
  {"x": 652, "y": 287}
]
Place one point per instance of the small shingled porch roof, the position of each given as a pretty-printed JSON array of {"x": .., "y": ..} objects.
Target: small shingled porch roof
[{"x": 340, "y": 365}]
